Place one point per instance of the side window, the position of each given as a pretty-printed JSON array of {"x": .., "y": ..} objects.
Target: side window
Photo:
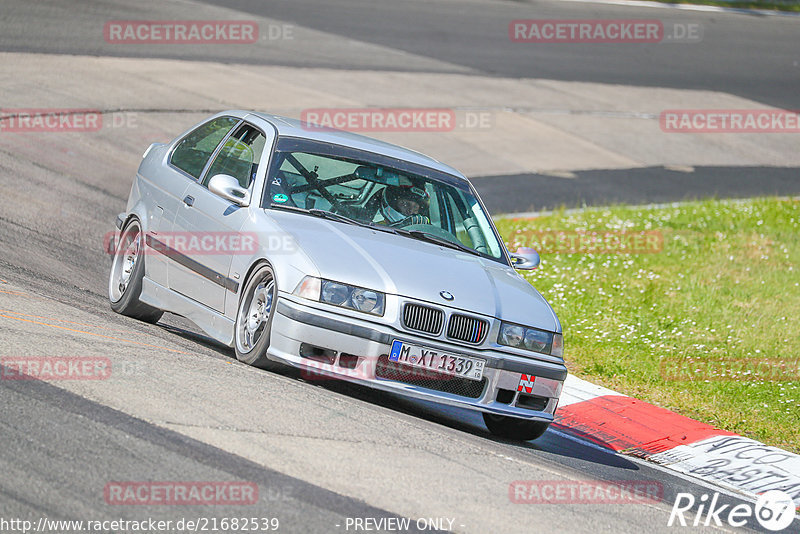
[
  {"x": 239, "y": 156},
  {"x": 192, "y": 153}
]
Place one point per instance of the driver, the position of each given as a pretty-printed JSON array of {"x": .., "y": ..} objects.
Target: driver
[{"x": 404, "y": 205}]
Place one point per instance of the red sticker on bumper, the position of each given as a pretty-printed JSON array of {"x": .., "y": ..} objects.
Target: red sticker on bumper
[{"x": 526, "y": 383}]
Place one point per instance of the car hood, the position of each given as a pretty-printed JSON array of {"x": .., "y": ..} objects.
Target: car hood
[{"x": 417, "y": 269}]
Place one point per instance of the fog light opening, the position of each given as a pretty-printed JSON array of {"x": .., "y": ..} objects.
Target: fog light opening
[
  {"x": 505, "y": 396},
  {"x": 348, "y": 361},
  {"x": 532, "y": 402},
  {"x": 317, "y": 354}
]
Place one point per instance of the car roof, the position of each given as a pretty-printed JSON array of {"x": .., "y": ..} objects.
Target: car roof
[{"x": 289, "y": 127}]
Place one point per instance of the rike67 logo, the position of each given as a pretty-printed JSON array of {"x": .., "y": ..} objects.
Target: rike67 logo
[{"x": 774, "y": 510}]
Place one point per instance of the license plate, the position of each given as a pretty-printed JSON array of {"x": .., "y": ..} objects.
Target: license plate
[{"x": 437, "y": 361}]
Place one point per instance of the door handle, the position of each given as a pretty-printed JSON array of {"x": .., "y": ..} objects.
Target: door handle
[{"x": 189, "y": 200}]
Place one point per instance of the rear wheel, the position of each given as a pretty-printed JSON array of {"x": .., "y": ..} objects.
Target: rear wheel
[
  {"x": 127, "y": 272},
  {"x": 254, "y": 318},
  {"x": 513, "y": 427}
]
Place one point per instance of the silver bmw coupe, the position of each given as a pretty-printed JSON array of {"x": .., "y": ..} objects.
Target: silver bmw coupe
[{"x": 343, "y": 256}]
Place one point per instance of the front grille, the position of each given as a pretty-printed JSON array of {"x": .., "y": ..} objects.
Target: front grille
[
  {"x": 423, "y": 378},
  {"x": 466, "y": 328},
  {"x": 423, "y": 318}
]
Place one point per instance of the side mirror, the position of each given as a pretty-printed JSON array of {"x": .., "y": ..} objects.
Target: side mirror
[
  {"x": 525, "y": 259},
  {"x": 228, "y": 188}
]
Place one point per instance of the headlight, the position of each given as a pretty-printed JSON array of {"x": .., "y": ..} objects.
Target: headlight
[
  {"x": 511, "y": 335},
  {"x": 538, "y": 341},
  {"x": 344, "y": 295},
  {"x": 334, "y": 293},
  {"x": 365, "y": 300},
  {"x": 532, "y": 339}
]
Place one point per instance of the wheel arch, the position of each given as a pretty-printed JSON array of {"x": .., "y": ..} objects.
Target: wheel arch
[{"x": 251, "y": 269}]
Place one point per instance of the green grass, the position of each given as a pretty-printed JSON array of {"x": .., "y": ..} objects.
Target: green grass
[{"x": 725, "y": 287}]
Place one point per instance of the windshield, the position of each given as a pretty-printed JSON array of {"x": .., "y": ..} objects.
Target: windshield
[{"x": 377, "y": 190}]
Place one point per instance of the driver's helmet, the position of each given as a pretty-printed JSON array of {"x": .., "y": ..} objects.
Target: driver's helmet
[{"x": 400, "y": 202}]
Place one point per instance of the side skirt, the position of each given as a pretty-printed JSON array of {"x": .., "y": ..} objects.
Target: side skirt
[{"x": 210, "y": 321}]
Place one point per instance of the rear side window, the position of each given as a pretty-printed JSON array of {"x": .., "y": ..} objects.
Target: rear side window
[{"x": 194, "y": 150}]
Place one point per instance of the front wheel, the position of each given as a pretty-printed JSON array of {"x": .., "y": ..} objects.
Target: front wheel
[
  {"x": 254, "y": 318},
  {"x": 127, "y": 272},
  {"x": 513, "y": 427}
]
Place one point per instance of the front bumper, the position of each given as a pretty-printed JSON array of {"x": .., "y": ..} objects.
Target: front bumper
[{"x": 327, "y": 345}]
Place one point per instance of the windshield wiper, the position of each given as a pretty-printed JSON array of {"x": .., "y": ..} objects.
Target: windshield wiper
[
  {"x": 433, "y": 238},
  {"x": 388, "y": 229},
  {"x": 318, "y": 213},
  {"x": 336, "y": 217},
  {"x": 324, "y": 214},
  {"x": 275, "y": 205}
]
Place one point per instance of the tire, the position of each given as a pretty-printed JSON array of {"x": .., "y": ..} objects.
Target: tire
[
  {"x": 253, "y": 325},
  {"x": 127, "y": 272},
  {"x": 513, "y": 427}
]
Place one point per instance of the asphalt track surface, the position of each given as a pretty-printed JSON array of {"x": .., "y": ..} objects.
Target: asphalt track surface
[
  {"x": 749, "y": 55},
  {"x": 535, "y": 192},
  {"x": 319, "y": 453},
  {"x": 736, "y": 56}
]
